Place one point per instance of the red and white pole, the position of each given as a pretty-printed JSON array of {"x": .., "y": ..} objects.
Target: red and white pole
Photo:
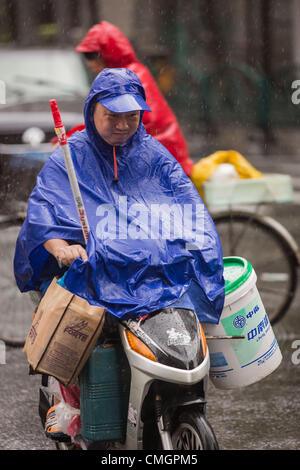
[{"x": 63, "y": 142}]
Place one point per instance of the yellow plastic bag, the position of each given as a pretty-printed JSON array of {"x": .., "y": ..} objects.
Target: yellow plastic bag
[{"x": 203, "y": 169}]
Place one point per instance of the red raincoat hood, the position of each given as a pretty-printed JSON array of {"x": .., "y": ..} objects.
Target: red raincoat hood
[{"x": 110, "y": 42}]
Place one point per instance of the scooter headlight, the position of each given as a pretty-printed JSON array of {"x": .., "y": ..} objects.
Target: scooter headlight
[{"x": 138, "y": 346}]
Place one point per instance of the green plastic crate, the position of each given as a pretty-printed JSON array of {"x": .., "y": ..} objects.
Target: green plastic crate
[{"x": 104, "y": 394}]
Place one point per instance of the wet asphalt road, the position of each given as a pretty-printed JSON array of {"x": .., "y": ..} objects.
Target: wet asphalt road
[{"x": 262, "y": 416}]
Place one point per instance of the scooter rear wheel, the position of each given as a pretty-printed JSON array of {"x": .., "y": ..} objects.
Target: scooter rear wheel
[{"x": 193, "y": 432}]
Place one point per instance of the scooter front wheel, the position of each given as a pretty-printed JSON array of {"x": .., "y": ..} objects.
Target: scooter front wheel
[{"x": 191, "y": 431}]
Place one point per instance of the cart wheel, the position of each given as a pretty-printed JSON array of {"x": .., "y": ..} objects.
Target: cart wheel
[{"x": 16, "y": 309}]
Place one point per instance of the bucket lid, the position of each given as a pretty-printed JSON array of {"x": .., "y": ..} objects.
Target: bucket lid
[{"x": 236, "y": 272}]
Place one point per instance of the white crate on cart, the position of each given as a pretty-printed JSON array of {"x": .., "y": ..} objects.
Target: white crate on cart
[{"x": 273, "y": 187}]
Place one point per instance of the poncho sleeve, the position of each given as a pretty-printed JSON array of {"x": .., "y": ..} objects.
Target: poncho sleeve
[{"x": 50, "y": 214}]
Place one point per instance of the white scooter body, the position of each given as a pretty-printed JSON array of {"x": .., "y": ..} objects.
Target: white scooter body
[{"x": 143, "y": 372}]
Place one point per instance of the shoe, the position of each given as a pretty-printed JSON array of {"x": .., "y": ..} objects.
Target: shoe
[{"x": 52, "y": 428}]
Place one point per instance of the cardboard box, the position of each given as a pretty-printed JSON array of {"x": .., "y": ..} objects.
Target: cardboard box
[{"x": 63, "y": 333}]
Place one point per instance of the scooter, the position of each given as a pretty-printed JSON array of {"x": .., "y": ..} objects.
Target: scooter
[{"x": 164, "y": 363}]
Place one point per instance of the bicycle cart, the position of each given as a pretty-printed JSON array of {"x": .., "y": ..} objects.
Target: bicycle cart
[
  {"x": 259, "y": 238},
  {"x": 16, "y": 309}
]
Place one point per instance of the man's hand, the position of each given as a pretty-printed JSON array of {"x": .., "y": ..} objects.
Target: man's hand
[{"x": 65, "y": 253}]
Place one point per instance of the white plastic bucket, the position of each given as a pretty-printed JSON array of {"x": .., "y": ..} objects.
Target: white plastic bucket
[{"x": 236, "y": 363}]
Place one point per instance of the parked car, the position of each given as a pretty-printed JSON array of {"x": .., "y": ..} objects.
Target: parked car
[{"x": 29, "y": 78}]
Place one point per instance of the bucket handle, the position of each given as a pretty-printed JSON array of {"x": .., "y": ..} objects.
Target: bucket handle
[{"x": 225, "y": 337}]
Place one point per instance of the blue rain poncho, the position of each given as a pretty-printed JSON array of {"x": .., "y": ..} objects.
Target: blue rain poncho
[{"x": 152, "y": 240}]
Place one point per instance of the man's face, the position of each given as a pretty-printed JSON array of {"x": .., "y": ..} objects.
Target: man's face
[
  {"x": 96, "y": 65},
  {"x": 115, "y": 128},
  {"x": 94, "y": 62}
]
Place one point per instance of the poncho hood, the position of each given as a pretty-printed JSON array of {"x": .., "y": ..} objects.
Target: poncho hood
[
  {"x": 110, "y": 84},
  {"x": 139, "y": 260}
]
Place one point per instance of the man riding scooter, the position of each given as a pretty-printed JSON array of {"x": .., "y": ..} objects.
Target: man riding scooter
[{"x": 134, "y": 262}]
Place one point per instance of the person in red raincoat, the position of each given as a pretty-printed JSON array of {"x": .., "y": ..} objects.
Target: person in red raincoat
[{"x": 106, "y": 46}]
